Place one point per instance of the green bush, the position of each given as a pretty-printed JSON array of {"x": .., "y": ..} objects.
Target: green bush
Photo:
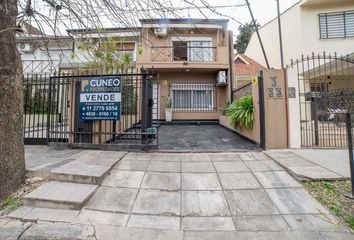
[{"x": 241, "y": 112}]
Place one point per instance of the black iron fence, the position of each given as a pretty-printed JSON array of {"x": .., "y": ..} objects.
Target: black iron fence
[
  {"x": 52, "y": 112},
  {"x": 324, "y": 83}
]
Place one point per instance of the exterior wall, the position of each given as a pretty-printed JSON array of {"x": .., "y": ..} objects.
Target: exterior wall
[{"x": 168, "y": 78}]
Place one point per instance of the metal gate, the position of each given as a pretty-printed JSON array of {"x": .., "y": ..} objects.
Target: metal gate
[
  {"x": 62, "y": 125},
  {"x": 326, "y": 88}
]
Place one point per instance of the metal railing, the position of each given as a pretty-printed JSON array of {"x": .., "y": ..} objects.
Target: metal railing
[
  {"x": 183, "y": 53},
  {"x": 40, "y": 66},
  {"x": 193, "y": 97}
]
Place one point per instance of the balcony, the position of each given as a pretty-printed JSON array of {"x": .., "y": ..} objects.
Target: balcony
[{"x": 183, "y": 53}]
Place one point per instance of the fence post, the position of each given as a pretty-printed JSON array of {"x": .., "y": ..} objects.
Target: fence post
[
  {"x": 262, "y": 140},
  {"x": 350, "y": 148},
  {"x": 144, "y": 107}
]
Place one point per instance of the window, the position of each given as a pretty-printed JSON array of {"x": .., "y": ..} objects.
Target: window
[
  {"x": 193, "y": 96},
  {"x": 319, "y": 87},
  {"x": 193, "y": 49},
  {"x": 336, "y": 25}
]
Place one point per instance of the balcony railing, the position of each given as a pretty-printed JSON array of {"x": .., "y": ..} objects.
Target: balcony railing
[{"x": 183, "y": 53}]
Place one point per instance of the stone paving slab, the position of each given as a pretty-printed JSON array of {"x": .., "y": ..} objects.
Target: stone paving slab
[
  {"x": 62, "y": 195},
  {"x": 112, "y": 199},
  {"x": 253, "y": 156},
  {"x": 261, "y": 223},
  {"x": 121, "y": 178},
  {"x": 208, "y": 223},
  {"x": 318, "y": 222},
  {"x": 238, "y": 181},
  {"x": 161, "y": 181},
  {"x": 313, "y": 173},
  {"x": 227, "y": 157},
  {"x": 158, "y": 166},
  {"x": 204, "y": 203},
  {"x": 106, "y": 232},
  {"x": 260, "y": 235},
  {"x": 230, "y": 167},
  {"x": 137, "y": 157},
  {"x": 250, "y": 202},
  {"x": 169, "y": 157},
  {"x": 151, "y": 221},
  {"x": 132, "y": 165},
  {"x": 200, "y": 181},
  {"x": 196, "y": 157},
  {"x": 20, "y": 212},
  {"x": 87, "y": 216},
  {"x": 301, "y": 168},
  {"x": 51, "y": 215},
  {"x": 198, "y": 167},
  {"x": 262, "y": 166},
  {"x": 157, "y": 202},
  {"x": 80, "y": 173},
  {"x": 51, "y": 231},
  {"x": 12, "y": 229},
  {"x": 276, "y": 179},
  {"x": 295, "y": 201}
]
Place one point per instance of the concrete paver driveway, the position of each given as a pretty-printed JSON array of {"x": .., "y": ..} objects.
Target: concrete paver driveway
[{"x": 191, "y": 196}]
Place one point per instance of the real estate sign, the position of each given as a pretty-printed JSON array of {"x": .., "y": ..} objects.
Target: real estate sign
[{"x": 100, "y": 98}]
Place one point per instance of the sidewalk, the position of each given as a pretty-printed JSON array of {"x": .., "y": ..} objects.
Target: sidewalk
[
  {"x": 313, "y": 164},
  {"x": 171, "y": 196}
]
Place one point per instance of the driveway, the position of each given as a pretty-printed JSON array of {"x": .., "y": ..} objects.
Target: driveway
[
  {"x": 211, "y": 138},
  {"x": 187, "y": 196}
]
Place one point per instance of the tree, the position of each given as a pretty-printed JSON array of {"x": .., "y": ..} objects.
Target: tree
[
  {"x": 244, "y": 36},
  {"x": 12, "y": 160}
]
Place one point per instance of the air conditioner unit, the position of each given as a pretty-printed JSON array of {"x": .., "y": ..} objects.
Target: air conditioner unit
[
  {"x": 161, "y": 31},
  {"x": 221, "y": 78},
  {"x": 25, "y": 47}
]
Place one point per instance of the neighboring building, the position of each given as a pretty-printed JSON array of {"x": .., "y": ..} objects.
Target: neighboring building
[
  {"x": 316, "y": 33},
  {"x": 309, "y": 26},
  {"x": 193, "y": 60},
  {"x": 127, "y": 42},
  {"x": 41, "y": 53},
  {"x": 245, "y": 69}
]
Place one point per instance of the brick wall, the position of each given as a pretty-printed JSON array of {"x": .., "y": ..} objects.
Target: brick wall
[{"x": 242, "y": 91}]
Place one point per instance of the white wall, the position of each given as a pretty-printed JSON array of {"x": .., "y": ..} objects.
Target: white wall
[{"x": 300, "y": 31}]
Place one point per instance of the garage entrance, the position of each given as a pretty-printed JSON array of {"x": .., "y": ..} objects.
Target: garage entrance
[{"x": 209, "y": 137}]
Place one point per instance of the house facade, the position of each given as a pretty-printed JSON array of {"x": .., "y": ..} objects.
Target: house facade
[
  {"x": 318, "y": 45},
  {"x": 192, "y": 58}
]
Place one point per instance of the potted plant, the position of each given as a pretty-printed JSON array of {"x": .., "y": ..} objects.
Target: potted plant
[
  {"x": 241, "y": 113},
  {"x": 168, "y": 109}
]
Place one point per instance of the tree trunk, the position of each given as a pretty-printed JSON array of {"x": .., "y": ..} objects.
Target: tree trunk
[{"x": 12, "y": 160}]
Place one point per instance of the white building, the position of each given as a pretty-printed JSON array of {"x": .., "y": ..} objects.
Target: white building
[
  {"x": 312, "y": 27},
  {"x": 304, "y": 31}
]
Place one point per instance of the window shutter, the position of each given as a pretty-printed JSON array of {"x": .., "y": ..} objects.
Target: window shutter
[{"x": 336, "y": 25}]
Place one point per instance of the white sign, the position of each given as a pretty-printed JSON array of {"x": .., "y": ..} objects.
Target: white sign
[{"x": 100, "y": 97}]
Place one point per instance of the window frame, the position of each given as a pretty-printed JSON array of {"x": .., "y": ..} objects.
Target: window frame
[
  {"x": 193, "y": 87},
  {"x": 343, "y": 25}
]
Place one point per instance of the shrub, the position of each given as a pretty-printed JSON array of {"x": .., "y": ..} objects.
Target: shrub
[{"x": 241, "y": 112}]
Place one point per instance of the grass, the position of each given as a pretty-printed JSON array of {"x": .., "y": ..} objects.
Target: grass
[
  {"x": 10, "y": 203},
  {"x": 331, "y": 195}
]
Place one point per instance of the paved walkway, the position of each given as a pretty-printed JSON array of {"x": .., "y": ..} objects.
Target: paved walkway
[
  {"x": 314, "y": 164},
  {"x": 184, "y": 196}
]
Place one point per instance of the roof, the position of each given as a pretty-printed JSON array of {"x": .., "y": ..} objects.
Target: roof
[
  {"x": 185, "y": 21},
  {"x": 95, "y": 30},
  {"x": 249, "y": 67}
]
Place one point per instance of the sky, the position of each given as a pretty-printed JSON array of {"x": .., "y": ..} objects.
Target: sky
[{"x": 263, "y": 10}]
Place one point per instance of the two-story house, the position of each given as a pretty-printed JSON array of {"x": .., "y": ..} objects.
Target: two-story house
[{"x": 193, "y": 59}]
